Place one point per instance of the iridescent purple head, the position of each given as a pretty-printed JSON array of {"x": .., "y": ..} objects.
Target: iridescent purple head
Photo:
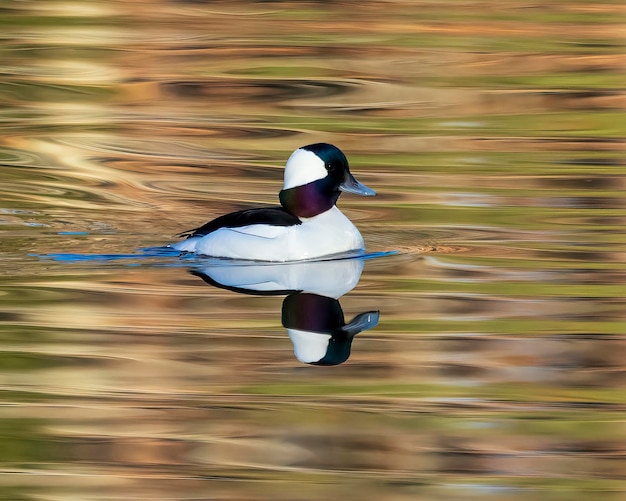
[{"x": 315, "y": 176}]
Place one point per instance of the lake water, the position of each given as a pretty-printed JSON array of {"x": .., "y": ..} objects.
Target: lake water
[{"x": 493, "y": 133}]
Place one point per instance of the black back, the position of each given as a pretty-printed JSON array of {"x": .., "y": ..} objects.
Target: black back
[{"x": 273, "y": 216}]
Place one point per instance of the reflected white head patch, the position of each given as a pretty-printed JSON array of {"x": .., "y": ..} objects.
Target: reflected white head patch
[{"x": 309, "y": 347}]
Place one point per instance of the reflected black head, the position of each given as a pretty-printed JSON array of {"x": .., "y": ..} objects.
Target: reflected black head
[
  {"x": 311, "y": 312},
  {"x": 337, "y": 353}
]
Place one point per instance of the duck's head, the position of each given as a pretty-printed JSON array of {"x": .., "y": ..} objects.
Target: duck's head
[{"x": 315, "y": 176}]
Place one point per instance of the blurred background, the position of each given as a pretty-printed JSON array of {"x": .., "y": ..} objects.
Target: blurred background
[{"x": 493, "y": 133}]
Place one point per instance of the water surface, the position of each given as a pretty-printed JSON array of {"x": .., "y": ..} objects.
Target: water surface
[{"x": 493, "y": 133}]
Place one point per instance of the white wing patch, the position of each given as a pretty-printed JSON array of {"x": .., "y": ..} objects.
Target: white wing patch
[
  {"x": 260, "y": 230},
  {"x": 188, "y": 245}
]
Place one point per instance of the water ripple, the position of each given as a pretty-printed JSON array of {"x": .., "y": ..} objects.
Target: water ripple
[
  {"x": 256, "y": 90},
  {"x": 17, "y": 157},
  {"x": 494, "y": 139}
]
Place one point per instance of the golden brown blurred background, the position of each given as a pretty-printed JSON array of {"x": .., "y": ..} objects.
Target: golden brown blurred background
[{"x": 493, "y": 133}]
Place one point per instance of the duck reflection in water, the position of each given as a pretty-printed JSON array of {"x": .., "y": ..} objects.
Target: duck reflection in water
[{"x": 311, "y": 312}]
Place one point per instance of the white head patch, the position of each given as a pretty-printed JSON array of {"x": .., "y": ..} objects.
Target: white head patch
[{"x": 303, "y": 167}]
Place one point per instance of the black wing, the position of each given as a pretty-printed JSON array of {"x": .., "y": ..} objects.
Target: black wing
[{"x": 274, "y": 216}]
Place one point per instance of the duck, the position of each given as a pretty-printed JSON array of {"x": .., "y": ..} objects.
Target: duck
[{"x": 306, "y": 225}]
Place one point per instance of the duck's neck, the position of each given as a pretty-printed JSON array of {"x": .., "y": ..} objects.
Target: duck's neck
[{"x": 309, "y": 199}]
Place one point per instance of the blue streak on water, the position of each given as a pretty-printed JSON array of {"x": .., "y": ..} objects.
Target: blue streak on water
[
  {"x": 149, "y": 253},
  {"x": 185, "y": 258}
]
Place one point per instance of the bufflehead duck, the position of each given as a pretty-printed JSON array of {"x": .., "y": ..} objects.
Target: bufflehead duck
[{"x": 307, "y": 225}]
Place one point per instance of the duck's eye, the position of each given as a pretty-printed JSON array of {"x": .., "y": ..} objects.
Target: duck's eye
[{"x": 330, "y": 167}]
